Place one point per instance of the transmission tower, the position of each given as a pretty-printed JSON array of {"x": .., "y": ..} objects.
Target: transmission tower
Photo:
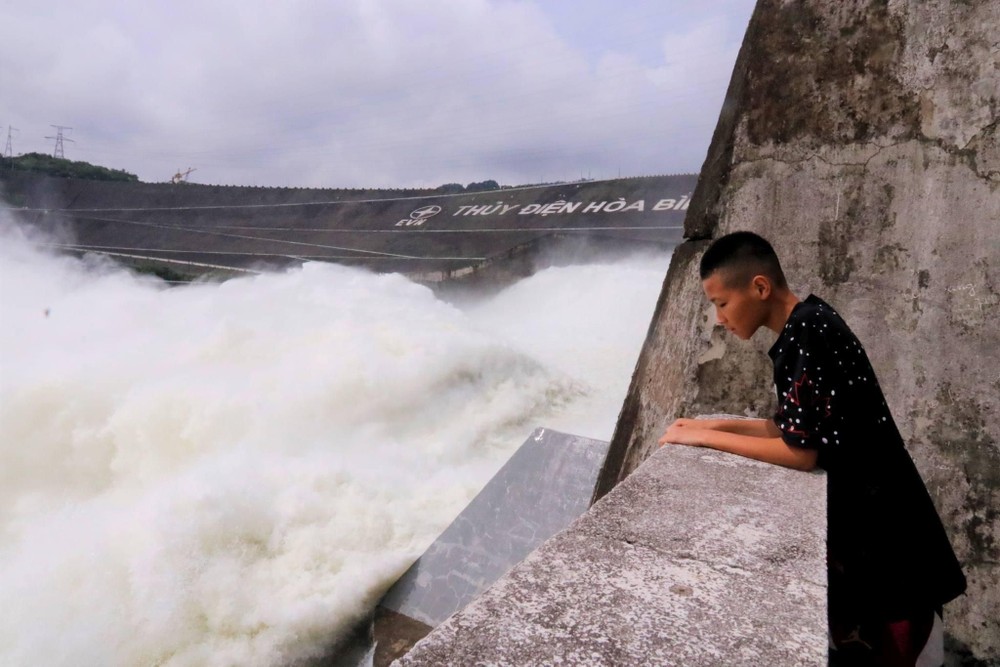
[
  {"x": 59, "y": 140},
  {"x": 8, "y": 150}
]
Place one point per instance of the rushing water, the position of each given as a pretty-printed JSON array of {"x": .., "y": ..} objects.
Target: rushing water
[{"x": 231, "y": 474}]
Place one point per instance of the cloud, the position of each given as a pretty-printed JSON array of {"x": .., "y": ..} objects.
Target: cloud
[{"x": 364, "y": 92}]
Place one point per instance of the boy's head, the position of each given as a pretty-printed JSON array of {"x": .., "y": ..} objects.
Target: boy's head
[{"x": 741, "y": 275}]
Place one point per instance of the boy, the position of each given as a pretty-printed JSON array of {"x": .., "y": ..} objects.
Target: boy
[{"x": 890, "y": 564}]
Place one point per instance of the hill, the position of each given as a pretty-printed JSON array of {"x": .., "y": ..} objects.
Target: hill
[{"x": 53, "y": 166}]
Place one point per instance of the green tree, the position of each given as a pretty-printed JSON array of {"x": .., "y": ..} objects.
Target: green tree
[{"x": 53, "y": 166}]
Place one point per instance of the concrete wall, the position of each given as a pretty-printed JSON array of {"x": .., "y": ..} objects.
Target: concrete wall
[
  {"x": 700, "y": 558},
  {"x": 861, "y": 138}
]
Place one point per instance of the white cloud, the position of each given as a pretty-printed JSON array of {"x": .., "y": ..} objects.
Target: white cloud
[{"x": 364, "y": 92}]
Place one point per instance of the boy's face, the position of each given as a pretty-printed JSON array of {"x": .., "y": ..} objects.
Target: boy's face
[{"x": 742, "y": 310}]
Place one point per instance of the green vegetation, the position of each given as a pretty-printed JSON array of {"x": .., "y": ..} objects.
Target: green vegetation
[
  {"x": 53, "y": 166},
  {"x": 482, "y": 186},
  {"x": 456, "y": 188}
]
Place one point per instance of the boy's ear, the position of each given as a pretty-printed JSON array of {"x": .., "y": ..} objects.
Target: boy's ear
[{"x": 761, "y": 286}]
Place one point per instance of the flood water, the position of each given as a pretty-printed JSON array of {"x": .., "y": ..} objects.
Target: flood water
[{"x": 232, "y": 473}]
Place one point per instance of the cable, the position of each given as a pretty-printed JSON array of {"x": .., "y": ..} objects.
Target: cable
[
  {"x": 376, "y": 253},
  {"x": 244, "y": 236},
  {"x": 175, "y": 261},
  {"x": 102, "y": 248}
]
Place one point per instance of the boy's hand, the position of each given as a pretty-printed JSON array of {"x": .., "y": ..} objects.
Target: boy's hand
[
  {"x": 762, "y": 447},
  {"x": 685, "y": 432},
  {"x": 696, "y": 423}
]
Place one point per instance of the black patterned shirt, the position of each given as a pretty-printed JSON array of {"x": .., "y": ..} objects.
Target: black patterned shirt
[{"x": 884, "y": 534}]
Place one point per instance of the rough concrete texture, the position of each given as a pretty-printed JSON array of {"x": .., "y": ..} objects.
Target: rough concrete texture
[
  {"x": 861, "y": 138},
  {"x": 699, "y": 558},
  {"x": 545, "y": 485}
]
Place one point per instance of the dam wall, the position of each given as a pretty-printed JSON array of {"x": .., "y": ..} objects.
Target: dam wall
[
  {"x": 863, "y": 139},
  {"x": 421, "y": 233}
]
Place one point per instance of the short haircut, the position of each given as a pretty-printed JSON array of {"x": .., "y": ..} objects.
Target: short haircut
[{"x": 740, "y": 256}]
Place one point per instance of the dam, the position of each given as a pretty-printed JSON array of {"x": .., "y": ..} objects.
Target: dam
[
  {"x": 418, "y": 233},
  {"x": 865, "y": 137}
]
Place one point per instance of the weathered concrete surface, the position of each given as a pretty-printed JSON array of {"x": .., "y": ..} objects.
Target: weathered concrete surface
[
  {"x": 545, "y": 485},
  {"x": 861, "y": 138},
  {"x": 698, "y": 558}
]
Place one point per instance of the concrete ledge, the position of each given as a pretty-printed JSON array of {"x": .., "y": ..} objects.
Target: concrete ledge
[{"x": 697, "y": 558}]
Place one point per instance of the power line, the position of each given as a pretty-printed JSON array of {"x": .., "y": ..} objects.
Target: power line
[
  {"x": 363, "y": 253},
  {"x": 303, "y": 257},
  {"x": 59, "y": 153},
  {"x": 158, "y": 259},
  {"x": 359, "y": 253}
]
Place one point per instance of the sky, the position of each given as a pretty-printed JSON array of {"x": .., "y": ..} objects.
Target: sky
[{"x": 370, "y": 93}]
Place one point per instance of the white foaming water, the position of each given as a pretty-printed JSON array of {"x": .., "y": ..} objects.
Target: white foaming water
[{"x": 232, "y": 474}]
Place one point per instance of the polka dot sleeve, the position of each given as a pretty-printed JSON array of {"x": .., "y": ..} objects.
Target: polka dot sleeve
[{"x": 809, "y": 384}]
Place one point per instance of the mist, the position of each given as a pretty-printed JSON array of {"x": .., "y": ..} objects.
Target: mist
[{"x": 233, "y": 473}]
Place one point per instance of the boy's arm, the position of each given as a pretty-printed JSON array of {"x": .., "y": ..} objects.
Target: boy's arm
[
  {"x": 766, "y": 449},
  {"x": 759, "y": 428}
]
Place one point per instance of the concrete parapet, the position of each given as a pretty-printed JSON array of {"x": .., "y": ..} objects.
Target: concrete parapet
[{"x": 698, "y": 558}]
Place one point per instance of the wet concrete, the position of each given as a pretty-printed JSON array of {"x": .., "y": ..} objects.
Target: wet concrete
[{"x": 545, "y": 485}]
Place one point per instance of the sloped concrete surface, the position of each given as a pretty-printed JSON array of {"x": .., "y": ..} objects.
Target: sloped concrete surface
[
  {"x": 698, "y": 558},
  {"x": 545, "y": 485}
]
